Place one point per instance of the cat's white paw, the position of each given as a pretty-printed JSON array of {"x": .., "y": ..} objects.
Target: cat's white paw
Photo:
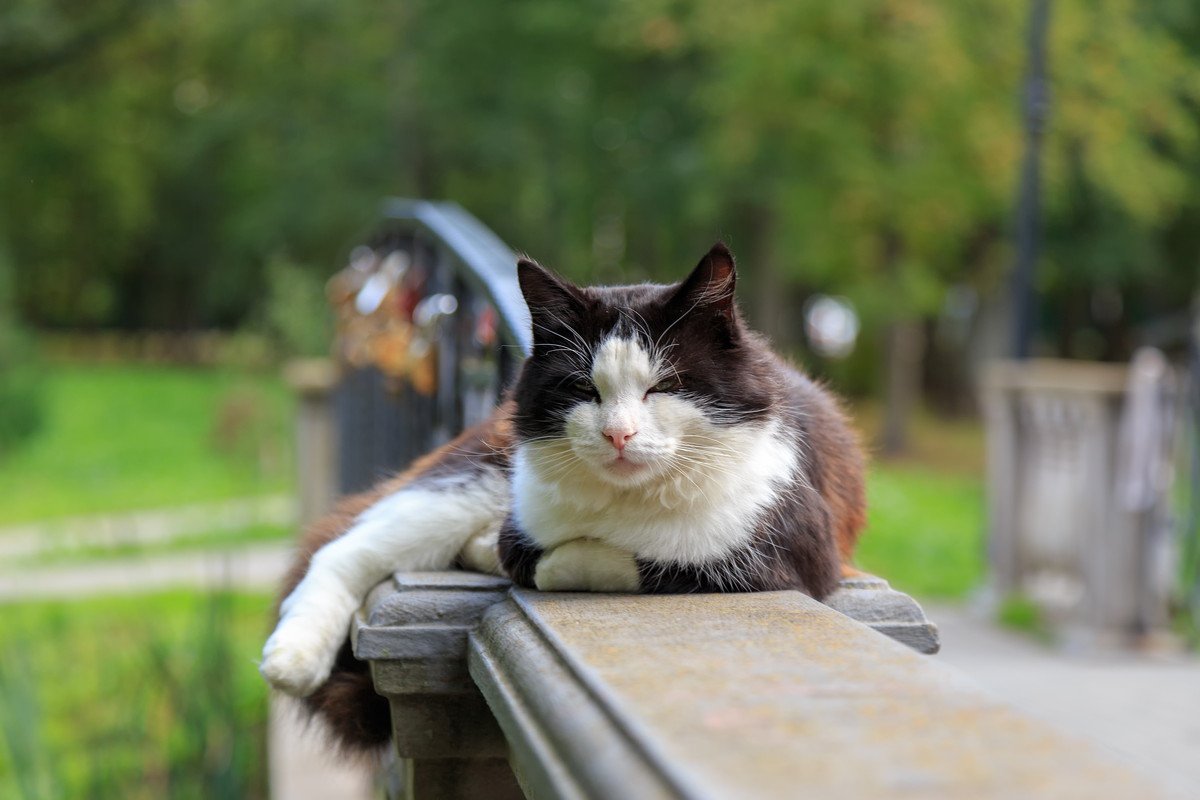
[
  {"x": 481, "y": 553},
  {"x": 587, "y": 565},
  {"x": 299, "y": 655}
]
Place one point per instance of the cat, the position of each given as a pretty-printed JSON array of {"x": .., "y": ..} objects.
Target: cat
[{"x": 651, "y": 443}]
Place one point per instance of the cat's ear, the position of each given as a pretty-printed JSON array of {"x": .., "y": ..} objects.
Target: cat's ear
[
  {"x": 710, "y": 286},
  {"x": 552, "y": 301}
]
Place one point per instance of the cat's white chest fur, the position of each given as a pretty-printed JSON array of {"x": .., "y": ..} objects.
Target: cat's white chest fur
[{"x": 694, "y": 513}]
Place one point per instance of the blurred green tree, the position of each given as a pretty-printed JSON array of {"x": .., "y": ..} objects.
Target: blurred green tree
[
  {"x": 22, "y": 398},
  {"x": 148, "y": 182},
  {"x": 155, "y": 156},
  {"x": 875, "y": 145}
]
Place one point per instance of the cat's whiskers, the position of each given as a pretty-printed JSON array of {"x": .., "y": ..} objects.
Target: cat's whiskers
[
  {"x": 640, "y": 323},
  {"x": 577, "y": 342},
  {"x": 658, "y": 355},
  {"x": 551, "y": 459},
  {"x": 559, "y": 471},
  {"x": 702, "y": 460},
  {"x": 680, "y": 472},
  {"x": 797, "y": 475},
  {"x": 728, "y": 574},
  {"x": 555, "y": 463},
  {"x": 548, "y": 437},
  {"x": 558, "y": 348},
  {"x": 579, "y": 373},
  {"x": 569, "y": 345},
  {"x": 768, "y": 539},
  {"x": 711, "y": 444},
  {"x": 705, "y": 464},
  {"x": 732, "y": 416},
  {"x": 673, "y": 324}
]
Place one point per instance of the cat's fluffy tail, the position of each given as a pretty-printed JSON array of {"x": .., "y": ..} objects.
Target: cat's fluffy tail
[{"x": 358, "y": 720}]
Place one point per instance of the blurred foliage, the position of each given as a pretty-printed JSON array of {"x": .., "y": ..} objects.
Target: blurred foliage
[
  {"x": 169, "y": 705},
  {"x": 21, "y": 390},
  {"x": 158, "y": 154},
  {"x": 297, "y": 314}
]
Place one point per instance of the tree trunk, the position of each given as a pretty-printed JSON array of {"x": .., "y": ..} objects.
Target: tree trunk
[{"x": 903, "y": 348}]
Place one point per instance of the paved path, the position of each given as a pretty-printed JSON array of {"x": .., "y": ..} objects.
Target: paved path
[
  {"x": 1143, "y": 709},
  {"x": 149, "y": 526},
  {"x": 256, "y": 567}
]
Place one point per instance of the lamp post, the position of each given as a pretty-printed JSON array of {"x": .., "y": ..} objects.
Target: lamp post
[{"x": 1037, "y": 101}]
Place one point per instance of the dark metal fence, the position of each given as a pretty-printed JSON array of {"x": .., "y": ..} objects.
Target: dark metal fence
[{"x": 432, "y": 327}]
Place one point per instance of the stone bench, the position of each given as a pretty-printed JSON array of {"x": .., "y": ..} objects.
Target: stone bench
[{"x": 499, "y": 692}]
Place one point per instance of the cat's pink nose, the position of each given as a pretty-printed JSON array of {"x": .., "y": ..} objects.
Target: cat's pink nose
[{"x": 619, "y": 437}]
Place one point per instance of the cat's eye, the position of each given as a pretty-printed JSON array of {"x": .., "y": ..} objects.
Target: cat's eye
[
  {"x": 665, "y": 385},
  {"x": 582, "y": 387}
]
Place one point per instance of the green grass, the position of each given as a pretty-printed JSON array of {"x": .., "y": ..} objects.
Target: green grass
[
  {"x": 1019, "y": 613},
  {"x": 129, "y": 437},
  {"x": 134, "y": 698},
  {"x": 925, "y": 530}
]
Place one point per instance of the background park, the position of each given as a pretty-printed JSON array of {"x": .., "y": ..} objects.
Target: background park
[{"x": 180, "y": 178}]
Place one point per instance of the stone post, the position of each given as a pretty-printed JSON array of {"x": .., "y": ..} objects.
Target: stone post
[
  {"x": 413, "y": 629},
  {"x": 313, "y": 381}
]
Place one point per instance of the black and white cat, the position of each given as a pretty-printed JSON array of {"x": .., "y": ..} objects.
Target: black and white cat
[{"x": 652, "y": 443}]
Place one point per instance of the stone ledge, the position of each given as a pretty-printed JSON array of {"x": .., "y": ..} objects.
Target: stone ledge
[
  {"x": 871, "y": 601},
  {"x": 415, "y": 630},
  {"x": 768, "y": 695},
  {"x": 695, "y": 696},
  {"x": 418, "y": 615}
]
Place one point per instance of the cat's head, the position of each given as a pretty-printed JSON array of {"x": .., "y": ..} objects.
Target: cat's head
[{"x": 632, "y": 385}]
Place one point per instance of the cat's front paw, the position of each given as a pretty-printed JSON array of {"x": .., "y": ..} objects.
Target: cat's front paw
[
  {"x": 299, "y": 656},
  {"x": 587, "y": 565},
  {"x": 481, "y": 553}
]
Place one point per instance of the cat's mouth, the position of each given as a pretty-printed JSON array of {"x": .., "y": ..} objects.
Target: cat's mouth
[{"x": 623, "y": 466}]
